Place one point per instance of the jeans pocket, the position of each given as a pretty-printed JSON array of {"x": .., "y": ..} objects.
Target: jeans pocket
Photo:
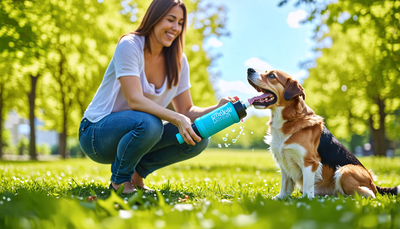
[{"x": 85, "y": 123}]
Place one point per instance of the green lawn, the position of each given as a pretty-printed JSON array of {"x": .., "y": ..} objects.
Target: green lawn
[{"x": 224, "y": 189}]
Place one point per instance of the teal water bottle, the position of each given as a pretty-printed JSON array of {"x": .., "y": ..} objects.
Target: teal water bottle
[{"x": 218, "y": 119}]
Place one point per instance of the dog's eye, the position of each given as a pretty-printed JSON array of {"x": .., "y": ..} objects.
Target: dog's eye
[{"x": 271, "y": 76}]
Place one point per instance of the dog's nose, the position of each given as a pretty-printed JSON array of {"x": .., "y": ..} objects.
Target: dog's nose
[{"x": 250, "y": 70}]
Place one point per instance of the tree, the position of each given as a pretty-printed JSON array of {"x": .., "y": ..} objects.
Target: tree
[
  {"x": 355, "y": 82},
  {"x": 18, "y": 48}
]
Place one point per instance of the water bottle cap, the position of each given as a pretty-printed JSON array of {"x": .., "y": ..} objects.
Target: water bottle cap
[{"x": 240, "y": 109}]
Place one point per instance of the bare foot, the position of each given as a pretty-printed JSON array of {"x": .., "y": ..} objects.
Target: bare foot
[
  {"x": 128, "y": 187},
  {"x": 137, "y": 181}
]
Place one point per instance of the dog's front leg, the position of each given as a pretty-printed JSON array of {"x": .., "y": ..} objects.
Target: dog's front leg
[
  {"x": 308, "y": 182},
  {"x": 287, "y": 186}
]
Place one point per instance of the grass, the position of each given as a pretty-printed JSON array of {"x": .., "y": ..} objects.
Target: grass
[{"x": 221, "y": 188}]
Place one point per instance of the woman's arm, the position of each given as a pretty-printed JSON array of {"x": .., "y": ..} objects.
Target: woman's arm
[
  {"x": 137, "y": 101},
  {"x": 183, "y": 104}
]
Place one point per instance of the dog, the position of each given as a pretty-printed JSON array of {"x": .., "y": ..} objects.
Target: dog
[{"x": 308, "y": 155}]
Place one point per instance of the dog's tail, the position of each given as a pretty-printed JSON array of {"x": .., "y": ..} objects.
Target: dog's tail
[{"x": 393, "y": 191}]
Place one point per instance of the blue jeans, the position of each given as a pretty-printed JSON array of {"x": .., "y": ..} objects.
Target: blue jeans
[{"x": 134, "y": 141}]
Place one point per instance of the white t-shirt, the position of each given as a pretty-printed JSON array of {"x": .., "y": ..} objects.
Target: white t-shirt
[{"x": 128, "y": 60}]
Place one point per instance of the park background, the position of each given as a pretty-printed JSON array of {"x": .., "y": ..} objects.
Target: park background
[{"x": 54, "y": 54}]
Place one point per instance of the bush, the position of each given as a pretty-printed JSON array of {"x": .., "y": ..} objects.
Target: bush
[
  {"x": 23, "y": 146},
  {"x": 43, "y": 149},
  {"x": 73, "y": 147}
]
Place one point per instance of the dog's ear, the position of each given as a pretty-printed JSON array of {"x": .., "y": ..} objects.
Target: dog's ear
[{"x": 292, "y": 89}]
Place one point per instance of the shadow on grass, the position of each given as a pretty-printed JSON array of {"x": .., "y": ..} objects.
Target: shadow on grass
[{"x": 102, "y": 192}]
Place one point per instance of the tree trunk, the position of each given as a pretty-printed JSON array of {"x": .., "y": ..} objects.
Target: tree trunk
[
  {"x": 1, "y": 120},
  {"x": 62, "y": 145},
  {"x": 378, "y": 135},
  {"x": 31, "y": 99}
]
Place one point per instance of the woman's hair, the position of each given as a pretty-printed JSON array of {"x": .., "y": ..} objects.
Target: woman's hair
[{"x": 173, "y": 54}]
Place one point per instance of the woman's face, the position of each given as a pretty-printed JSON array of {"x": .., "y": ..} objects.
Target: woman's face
[{"x": 168, "y": 28}]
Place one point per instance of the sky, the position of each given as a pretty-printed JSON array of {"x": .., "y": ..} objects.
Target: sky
[{"x": 262, "y": 36}]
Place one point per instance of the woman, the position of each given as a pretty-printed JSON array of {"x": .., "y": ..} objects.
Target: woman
[{"x": 123, "y": 123}]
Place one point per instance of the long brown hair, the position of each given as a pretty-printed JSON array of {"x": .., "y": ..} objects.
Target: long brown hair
[{"x": 173, "y": 54}]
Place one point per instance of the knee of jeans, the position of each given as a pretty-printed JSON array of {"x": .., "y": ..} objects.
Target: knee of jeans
[
  {"x": 199, "y": 147},
  {"x": 152, "y": 127}
]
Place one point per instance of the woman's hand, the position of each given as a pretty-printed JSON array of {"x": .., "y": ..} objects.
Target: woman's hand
[
  {"x": 185, "y": 129},
  {"x": 227, "y": 99}
]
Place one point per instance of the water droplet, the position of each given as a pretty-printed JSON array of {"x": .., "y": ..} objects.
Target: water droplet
[
  {"x": 219, "y": 145},
  {"x": 226, "y": 135},
  {"x": 224, "y": 139},
  {"x": 226, "y": 145},
  {"x": 243, "y": 133},
  {"x": 233, "y": 140},
  {"x": 241, "y": 127},
  {"x": 233, "y": 130},
  {"x": 251, "y": 132}
]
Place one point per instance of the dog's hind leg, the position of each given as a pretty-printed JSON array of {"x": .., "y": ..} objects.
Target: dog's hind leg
[
  {"x": 355, "y": 178},
  {"x": 287, "y": 186}
]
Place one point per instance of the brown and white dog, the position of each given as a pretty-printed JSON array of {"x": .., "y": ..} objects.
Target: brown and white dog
[{"x": 307, "y": 153}]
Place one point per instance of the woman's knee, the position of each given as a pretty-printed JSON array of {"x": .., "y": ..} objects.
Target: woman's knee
[{"x": 151, "y": 127}]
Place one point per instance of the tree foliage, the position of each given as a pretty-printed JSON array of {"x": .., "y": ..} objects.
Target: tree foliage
[
  {"x": 20, "y": 51},
  {"x": 355, "y": 82}
]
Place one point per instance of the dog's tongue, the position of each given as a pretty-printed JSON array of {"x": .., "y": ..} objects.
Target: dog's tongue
[{"x": 251, "y": 100}]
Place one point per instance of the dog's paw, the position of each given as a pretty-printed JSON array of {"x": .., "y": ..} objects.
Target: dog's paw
[{"x": 309, "y": 196}]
